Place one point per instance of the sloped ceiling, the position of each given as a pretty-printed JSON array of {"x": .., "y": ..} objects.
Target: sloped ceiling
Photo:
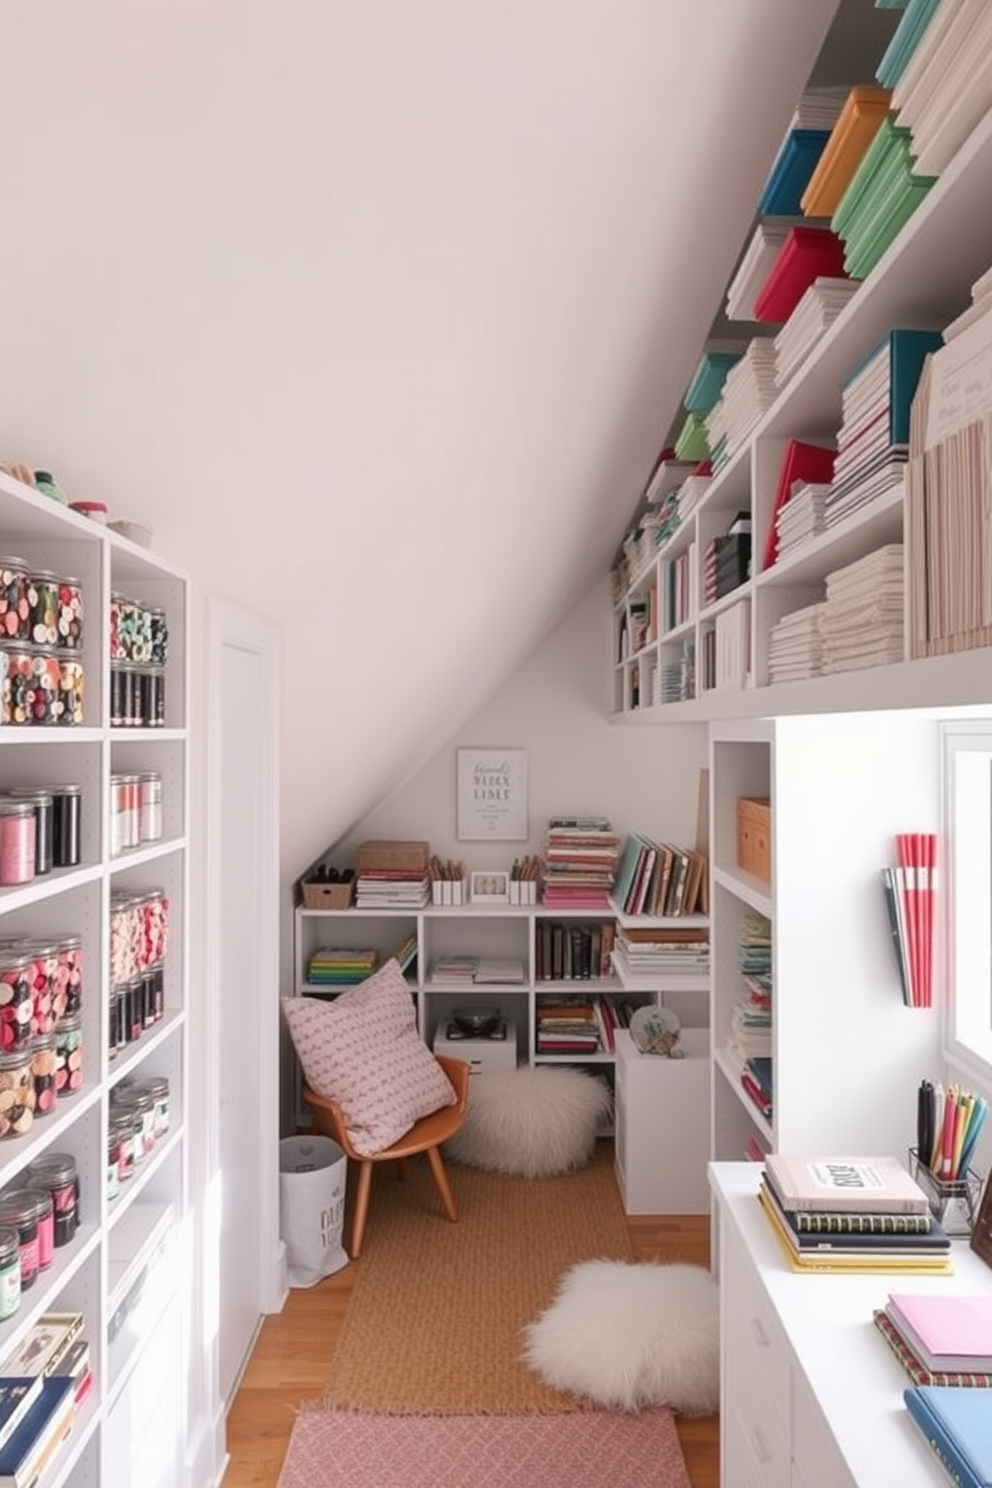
[{"x": 378, "y": 311}]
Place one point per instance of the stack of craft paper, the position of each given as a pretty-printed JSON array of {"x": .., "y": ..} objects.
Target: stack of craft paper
[
  {"x": 807, "y": 254},
  {"x": 883, "y": 194},
  {"x": 756, "y": 264},
  {"x": 749, "y": 390},
  {"x": 946, "y": 88},
  {"x": 863, "y": 111},
  {"x": 708, "y": 379},
  {"x": 916, "y": 17},
  {"x": 818, "y": 308},
  {"x": 802, "y": 517},
  {"x": 873, "y": 440},
  {"x": 795, "y": 648},
  {"x": 861, "y": 623},
  {"x": 691, "y": 443}
]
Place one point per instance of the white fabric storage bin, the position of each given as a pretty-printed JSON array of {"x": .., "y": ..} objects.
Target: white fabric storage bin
[{"x": 312, "y": 1173}]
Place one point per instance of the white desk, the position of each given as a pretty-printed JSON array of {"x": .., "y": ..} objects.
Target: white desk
[{"x": 810, "y": 1393}]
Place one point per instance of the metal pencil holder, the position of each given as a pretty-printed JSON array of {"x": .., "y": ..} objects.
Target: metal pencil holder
[{"x": 953, "y": 1202}]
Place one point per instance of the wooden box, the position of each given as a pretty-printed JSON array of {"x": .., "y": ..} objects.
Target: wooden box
[
  {"x": 754, "y": 837},
  {"x": 410, "y": 856}
]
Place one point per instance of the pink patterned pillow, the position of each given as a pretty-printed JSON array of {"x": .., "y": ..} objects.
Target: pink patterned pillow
[{"x": 363, "y": 1051}]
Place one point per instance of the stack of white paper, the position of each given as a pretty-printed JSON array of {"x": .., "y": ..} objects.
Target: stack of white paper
[
  {"x": 795, "y": 649},
  {"x": 946, "y": 89},
  {"x": 862, "y": 621},
  {"x": 748, "y": 391},
  {"x": 818, "y": 308}
]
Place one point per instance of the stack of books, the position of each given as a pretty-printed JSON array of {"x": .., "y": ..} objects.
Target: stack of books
[
  {"x": 341, "y": 966},
  {"x": 750, "y": 1037},
  {"x": 570, "y": 1026},
  {"x": 657, "y": 878},
  {"x": 851, "y": 1214},
  {"x": 795, "y": 646},
  {"x": 856, "y": 127},
  {"x": 913, "y": 22},
  {"x": 803, "y": 461},
  {"x": 958, "y": 1425},
  {"x": 883, "y": 194},
  {"x": 809, "y": 131},
  {"x": 661, "y": 950},
  {"x": 750, "y": 1032},
  {"x": 727, "y": 559},
  {"x": 755, "y": 265},
  {"x": 861, "y": 623},
  {"x": 41, "y": 1386},
  {"x": 729, "y": 664},
  {"x": 808, "y": 253},
  {"x": 946, "y": 88},
  {"x": 393, "y": 875},
  {"x": 708, "y": 379},
  {"x": 938, "y": 1339},
  {"x": 873, "y": 440},
  {"x": 565, "y": 952},
  {"x": 691, "y": 443},
  {"x": 803, "y": 516},
  {"x": 580, "y": 862},
  {"x": 750, "y": 389},
  {"x": 816, "y": 311}
]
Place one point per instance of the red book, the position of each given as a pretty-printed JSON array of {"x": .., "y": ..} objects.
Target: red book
[
  {"x": 812, "y": 463},
  {"x": 808, "y": 253}
]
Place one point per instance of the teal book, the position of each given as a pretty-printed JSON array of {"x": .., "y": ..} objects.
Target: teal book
[
  {"x": 906, "y": 350},
  {"x": 916, "y": 17},
  {"x": 957, "y": 1422},
  {"x": 796, "y": 161},
  {"x": 706, "y": 386}
]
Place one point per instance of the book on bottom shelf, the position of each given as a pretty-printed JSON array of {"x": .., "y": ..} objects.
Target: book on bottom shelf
[
  {"x": 38, "y": 1437},
  {"x": 958, "y": 1425}
]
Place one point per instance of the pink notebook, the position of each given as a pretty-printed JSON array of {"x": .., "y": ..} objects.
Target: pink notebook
[{"x": 949, "y": 1331}]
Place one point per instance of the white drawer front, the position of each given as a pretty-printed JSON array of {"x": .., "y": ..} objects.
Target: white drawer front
[{"x": 818, "y": 1462}]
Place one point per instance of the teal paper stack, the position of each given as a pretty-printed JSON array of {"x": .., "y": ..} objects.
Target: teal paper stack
[
  {"x": 708, "y": 379},
  {"x": 916, "y": 17},
  {"x": 882, "y": 195}
]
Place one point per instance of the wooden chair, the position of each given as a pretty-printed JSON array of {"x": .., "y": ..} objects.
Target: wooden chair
[{"x": 426, "y": 1135}]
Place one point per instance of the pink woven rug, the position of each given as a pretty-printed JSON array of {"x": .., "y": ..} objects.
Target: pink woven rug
[{"x": 561, "y": 1449}]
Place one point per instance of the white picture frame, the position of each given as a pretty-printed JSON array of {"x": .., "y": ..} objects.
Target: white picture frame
[
  {"x": 492, "y": 795},
  {"x": 490, "y": 886}
]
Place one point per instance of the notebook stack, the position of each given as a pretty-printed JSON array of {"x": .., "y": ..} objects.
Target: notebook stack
[
  {"x": 851, "y": 1214},
  {"x": 808, "y": 253},
  {"x": 913, "y": 23},
  {"x": 940, "y": 1340},
  {"x": 809, "y": 131},
  {"x": 795, "y": 647},
  {"x": 580, "y": 862},
  {"x": 873, "y": 440},
  {"x": 748, "y": 392},
  {"x": 946, "y": 88},
  {"x": 861, "y": 623},
  {"x": 859, "y": 121},
  {"x": 803, "y": 517},
  {"x": 883, "y": 194},
  {"x": 816, "y": 311}
]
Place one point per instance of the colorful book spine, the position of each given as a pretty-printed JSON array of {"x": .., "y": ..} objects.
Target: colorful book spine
[{"x": 917, "y": 1371}]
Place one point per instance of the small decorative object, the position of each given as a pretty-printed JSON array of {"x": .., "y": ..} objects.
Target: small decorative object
[
  {"x": 475, "y": 1020},
  {"x": 492, "y": 795},
  {"x": 95, "y": 510},
  {"x": 491, "y": 887},
  {"x": 981, "y": 1234},
  {"x": 657, "y": 1030},
  {"x": 46, "y": 483}
]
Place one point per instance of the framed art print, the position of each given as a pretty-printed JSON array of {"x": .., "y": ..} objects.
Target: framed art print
[
  {"x": 492, "y": 795},
  {"x": 981, "y": 1234}
]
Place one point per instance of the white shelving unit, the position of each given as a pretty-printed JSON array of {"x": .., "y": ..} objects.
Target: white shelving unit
[
  {"x": 497, "y": 931},
  {"x": 122, "y": 1238},
  {"x": 847, "y": 1054},
  {"x": 923, "y": 280}
]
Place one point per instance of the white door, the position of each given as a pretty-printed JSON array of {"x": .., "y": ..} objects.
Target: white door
[{"x": 244, "y": 876}]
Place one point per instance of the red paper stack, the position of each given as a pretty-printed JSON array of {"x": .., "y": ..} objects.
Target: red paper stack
[{"x": 808, "y": 253}]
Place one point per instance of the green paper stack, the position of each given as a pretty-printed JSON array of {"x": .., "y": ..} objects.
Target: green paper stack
[
  {"x": 882, "y": 195},
  {"x": 691, "y": 443}
]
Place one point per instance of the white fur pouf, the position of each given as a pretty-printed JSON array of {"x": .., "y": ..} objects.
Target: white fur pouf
[
  {"x": 628, "y": 1335},
  {"x": 530, "y": 1123}
]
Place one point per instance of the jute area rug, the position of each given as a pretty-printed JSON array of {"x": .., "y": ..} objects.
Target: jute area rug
[
  {"x": 427, "y": 1388},
  {"x": 435, "y": 1321}
]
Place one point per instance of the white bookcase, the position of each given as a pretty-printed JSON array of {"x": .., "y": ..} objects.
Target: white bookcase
[
  {"x": 847, "y": 1054},
  {"x": 499, "y": 931},
  {"x": 136, "y": 1234},
  {"x": 923, "y": 280}
]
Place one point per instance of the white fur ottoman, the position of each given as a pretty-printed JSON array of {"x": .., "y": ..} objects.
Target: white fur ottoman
[
  {"x": 628, "y": 1335},
  {"x": 531, "y": 1123}
]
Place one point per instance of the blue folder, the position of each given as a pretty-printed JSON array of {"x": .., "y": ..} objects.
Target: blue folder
[{"x": 957, "y": 1422}]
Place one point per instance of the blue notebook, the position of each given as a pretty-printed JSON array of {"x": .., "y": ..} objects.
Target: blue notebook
[{"x": 957, "y": 1422}]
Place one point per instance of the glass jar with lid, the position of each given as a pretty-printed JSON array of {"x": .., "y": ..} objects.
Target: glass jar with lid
[
  {"x": 16, "y": 1092},
  {"x": 18, "y": 833},
  {"x": 42, "y": 804},
  {"x": 43, "y": 604},
  {"x": 10, "y": 1272},
  {"x": 68, "y": 1055},
  {"x": 70, "y": 615},
  {"x": 16, "y": 997},
  {"x": 57, "y": 1174},
  {"x": 15, "y": 612}
]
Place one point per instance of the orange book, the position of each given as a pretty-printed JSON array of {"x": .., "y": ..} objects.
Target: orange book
[{"x": 859, "y": 119}]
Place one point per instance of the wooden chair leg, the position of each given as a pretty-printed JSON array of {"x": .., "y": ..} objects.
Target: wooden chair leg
[
  {"x": 363, "y": 1193},
  {"x": 441, "y": 1179}
]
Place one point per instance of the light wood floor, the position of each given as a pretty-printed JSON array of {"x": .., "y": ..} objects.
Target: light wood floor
[{"x": 291, "y": 1359}]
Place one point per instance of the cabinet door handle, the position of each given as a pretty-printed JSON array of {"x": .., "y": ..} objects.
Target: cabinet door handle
[{"x": 761, "y": 1338}]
